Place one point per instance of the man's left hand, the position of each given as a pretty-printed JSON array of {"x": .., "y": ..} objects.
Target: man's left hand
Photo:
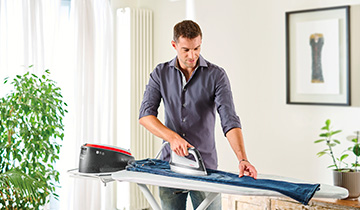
[{"x": 247, "y": 169}]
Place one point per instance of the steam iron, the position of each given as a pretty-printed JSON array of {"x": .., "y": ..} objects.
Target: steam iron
[{"x": 187, "y": 166}]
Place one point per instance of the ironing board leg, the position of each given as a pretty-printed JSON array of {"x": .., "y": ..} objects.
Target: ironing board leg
[
  {"x": 149, "y": 197},
  {"x": 207, "y": 201}
]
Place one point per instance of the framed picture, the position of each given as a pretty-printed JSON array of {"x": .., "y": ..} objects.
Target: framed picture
[{"x": 318, "y": 56}]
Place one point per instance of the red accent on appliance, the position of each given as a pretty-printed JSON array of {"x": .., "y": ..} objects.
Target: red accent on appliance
[{"x": 108, "y": 148}]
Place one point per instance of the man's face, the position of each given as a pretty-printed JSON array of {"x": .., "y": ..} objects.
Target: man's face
[{"x": 188, "y": 51}]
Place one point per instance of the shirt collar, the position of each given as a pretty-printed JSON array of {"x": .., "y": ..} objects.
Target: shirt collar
[{"x": 202, "y": 62}]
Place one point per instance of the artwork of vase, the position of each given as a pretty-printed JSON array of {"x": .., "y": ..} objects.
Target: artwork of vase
[{"x": 316, "y": 43}]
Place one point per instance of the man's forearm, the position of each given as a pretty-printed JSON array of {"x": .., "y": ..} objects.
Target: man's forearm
[
  {"x": 156, "y": 127},
  {"x": 236, "y": 141},
  {"x": 153, "y": 124}
]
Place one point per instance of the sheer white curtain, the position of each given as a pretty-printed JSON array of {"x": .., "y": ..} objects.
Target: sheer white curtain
[
  {"x": 93, "y": 59},
  {"x": 28, "y": 33},
  {"x": 79, "y": 53}
]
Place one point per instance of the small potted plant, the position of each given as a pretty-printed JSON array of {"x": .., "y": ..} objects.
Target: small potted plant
[{"x": 345, "y": 175}]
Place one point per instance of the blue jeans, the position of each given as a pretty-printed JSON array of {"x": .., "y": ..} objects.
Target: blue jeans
[
  {"x": 298, "y": 191},
  {"x": 175, "y": 199}
]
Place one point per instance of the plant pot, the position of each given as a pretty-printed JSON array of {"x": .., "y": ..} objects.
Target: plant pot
[{"x": 349, "y": 180}]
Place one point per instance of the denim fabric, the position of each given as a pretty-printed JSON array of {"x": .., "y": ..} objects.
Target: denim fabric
[
  {"x": 298, "y": 191},
  {"x": 175, "y": 199}
]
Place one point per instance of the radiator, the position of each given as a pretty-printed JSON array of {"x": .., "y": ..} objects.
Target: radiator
[{"x": 134, "y": 63}]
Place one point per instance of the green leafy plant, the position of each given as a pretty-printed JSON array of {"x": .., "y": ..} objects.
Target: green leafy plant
[
  {"x": 355, "y": 150},
  {"x": 20, "y": 186},
  {"x": 328, "y": 138},
  {"x": 30, "y": 130}
]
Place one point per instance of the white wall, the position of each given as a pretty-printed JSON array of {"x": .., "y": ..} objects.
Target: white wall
[{"x": 247, "y": 38}]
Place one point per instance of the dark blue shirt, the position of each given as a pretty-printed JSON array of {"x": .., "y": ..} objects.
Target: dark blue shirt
[{"x": 190, "y": 106}]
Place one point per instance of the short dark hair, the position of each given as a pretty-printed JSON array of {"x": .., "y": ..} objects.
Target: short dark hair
[{"x": 188, "y": 29}]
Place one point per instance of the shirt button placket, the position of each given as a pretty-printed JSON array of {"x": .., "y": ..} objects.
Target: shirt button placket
[
  {"x": 183, "y": 109},
  {"x": 183, "y": 98}
]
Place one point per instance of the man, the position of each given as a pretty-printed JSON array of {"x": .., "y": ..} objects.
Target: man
[{"x": 191, "y": 89}]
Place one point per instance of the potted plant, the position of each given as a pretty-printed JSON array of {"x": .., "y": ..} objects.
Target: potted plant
[
  {"x": 30, "y": 130},
  {"x": 345, "y": 175}
]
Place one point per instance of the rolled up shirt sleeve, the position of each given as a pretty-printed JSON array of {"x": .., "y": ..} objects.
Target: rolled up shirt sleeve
[
  {"x": 225, "y": 105},
  {"x": 152, "y": 97}
]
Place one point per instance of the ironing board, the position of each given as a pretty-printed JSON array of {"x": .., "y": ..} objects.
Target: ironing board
[{"x": 143, "y": 179}]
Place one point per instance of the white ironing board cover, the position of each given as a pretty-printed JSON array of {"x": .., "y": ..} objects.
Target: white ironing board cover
[{"x": 326, "y": 191}]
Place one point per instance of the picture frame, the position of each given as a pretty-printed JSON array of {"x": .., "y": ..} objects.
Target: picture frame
[{"x": 318, "y": 56}]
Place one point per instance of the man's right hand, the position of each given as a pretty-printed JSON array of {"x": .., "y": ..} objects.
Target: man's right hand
[{"x": 180, "y": 146}]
